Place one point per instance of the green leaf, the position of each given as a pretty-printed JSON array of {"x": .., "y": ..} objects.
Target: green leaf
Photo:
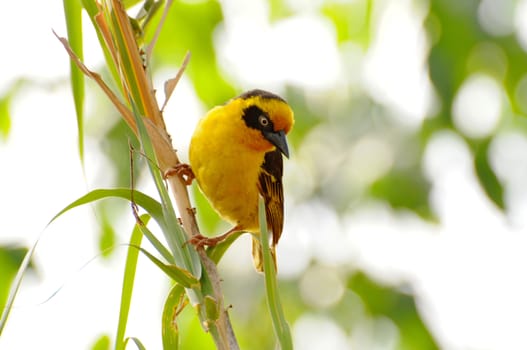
[
  {"x": 116, "y": 142},
  {"x": 179, "y": 275},
  {"x": 456, "y": 31},
  {"x": 92, "y": 9},
  {"x": 5, "y": 106},
  {"x": 5, "y": 116},
  {"x": 208, "y": 219},
  {"x": 146, "y": 202},
  {"x": 149, "y": 204},
  {"x": 106, "y": 237},
  {"x": 280, "y": 324},
  {"x": 130, "y": 3},
  {"x": 136, "y": 341},
  {"x": 157, "y": 244},
  {"x": 10, "y": 259},
  {"x": 210, "y": 84},
  {"x": 211, "y": 308},
  {"x": 352, "y": 20},
  {"x": 149, "y": 9},
  {"x": 16, "y": 285},
  {"x": 170, "y": 331},
  {"x": 216, "y": 252},
  {"x": 72, "y": 12},
  {"x": 406, "y": 189},
  {"x": 103, "y": 343},
  {"x": 278, "y": 10},
  {"x": 400, "y": 308},
  {"x": 128, "y": 281},
  {"x": 486, "y": 176}
]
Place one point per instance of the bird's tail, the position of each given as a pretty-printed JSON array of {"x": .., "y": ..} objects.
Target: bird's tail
[{"x": 258, "y": 255}]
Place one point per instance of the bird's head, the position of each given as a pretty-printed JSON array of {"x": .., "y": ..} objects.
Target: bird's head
[{"x": 267, "y": 118}]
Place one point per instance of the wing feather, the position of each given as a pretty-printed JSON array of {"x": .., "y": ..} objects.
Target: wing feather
[{"x": 271, "y": 189}]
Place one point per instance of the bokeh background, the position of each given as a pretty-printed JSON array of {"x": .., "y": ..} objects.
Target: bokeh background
[{"x": 405, "y": 193}]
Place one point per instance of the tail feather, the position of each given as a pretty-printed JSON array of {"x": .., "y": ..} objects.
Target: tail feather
[{"x": 258, "y": 255}]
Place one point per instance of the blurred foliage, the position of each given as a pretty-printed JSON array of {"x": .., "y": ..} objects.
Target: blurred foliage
[
  {"x": 107, "y": 235},
  {"x": 404, "y": 189},
  {"x": 486, "y": 175},
  {"x": 10, "y": 259},
  {"x": 398, "y": 307},
  {"x": 102, "y": 343},
  {"x": 352, "y": 20},
  {"x": 462, "y": 47},
  {"x": 5, "y": 117},
  {"x": 190, "y": 27},
  {"x": 5, "y": 106},
  {"x": 116, "y": 144}
]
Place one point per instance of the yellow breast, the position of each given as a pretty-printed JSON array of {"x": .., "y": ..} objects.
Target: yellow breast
[{"x": 226, "y": 170}]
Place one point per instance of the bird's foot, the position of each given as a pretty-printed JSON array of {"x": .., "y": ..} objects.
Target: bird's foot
[
  {"x": 200, "y": 241},
  {"x": 183, "y": 170}
]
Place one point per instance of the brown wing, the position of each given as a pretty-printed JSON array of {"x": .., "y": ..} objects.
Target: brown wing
[{"x": 270, "y": 187}]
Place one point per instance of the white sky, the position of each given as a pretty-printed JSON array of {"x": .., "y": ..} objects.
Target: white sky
[{"x": 468, "y": 272}]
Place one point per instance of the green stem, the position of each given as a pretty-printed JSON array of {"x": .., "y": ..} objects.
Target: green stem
[{"x": 280, "y": 325}]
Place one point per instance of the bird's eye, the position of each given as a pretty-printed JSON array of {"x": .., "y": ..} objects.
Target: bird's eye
[{"x": 263, "y": 120}]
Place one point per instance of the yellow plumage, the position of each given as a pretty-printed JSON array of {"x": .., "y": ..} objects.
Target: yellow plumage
[{"x": 235, "y": 155}]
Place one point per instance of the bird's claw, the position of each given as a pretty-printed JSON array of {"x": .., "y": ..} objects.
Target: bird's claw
[
  {"x": 183, "y": 170},
  {"x": 200, "y": 241}
]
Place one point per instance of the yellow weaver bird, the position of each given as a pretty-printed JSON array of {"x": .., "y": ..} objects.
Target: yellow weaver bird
[{"x": 236, "y": 155}]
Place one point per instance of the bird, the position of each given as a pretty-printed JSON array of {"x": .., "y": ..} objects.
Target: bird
[{"x": 235, "y": 155}]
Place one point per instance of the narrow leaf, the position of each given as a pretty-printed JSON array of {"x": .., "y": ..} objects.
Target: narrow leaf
[
  {"x": 136, "y": 341},
  {"x": 211, "y": 308},
  {"x": 216, "y": 252},
  {"x": 131, "y": 64},
  {"x": 5, "y": 116},
  {"x": 128, "y": 281},
  {"x": 161, "y": 249},
  {"x": 170, "y": 331},
  {"x": 144, "y": 201},
  {"x": 273, "y": 299},
  {"x": 72, "y": 12},
  {"x": 102, "y": 343},
  {"x": 179, "y": 275},
  {"x": 16, "y": 285},
  {"x": 148, "y": 12},
  {"x": 93, "y": 9},
  {"x": 486, "y": 176},
  {"x": 130, "y": 3}
]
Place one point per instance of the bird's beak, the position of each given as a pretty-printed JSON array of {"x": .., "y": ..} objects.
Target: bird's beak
[{"x": 278, "y": 139}]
